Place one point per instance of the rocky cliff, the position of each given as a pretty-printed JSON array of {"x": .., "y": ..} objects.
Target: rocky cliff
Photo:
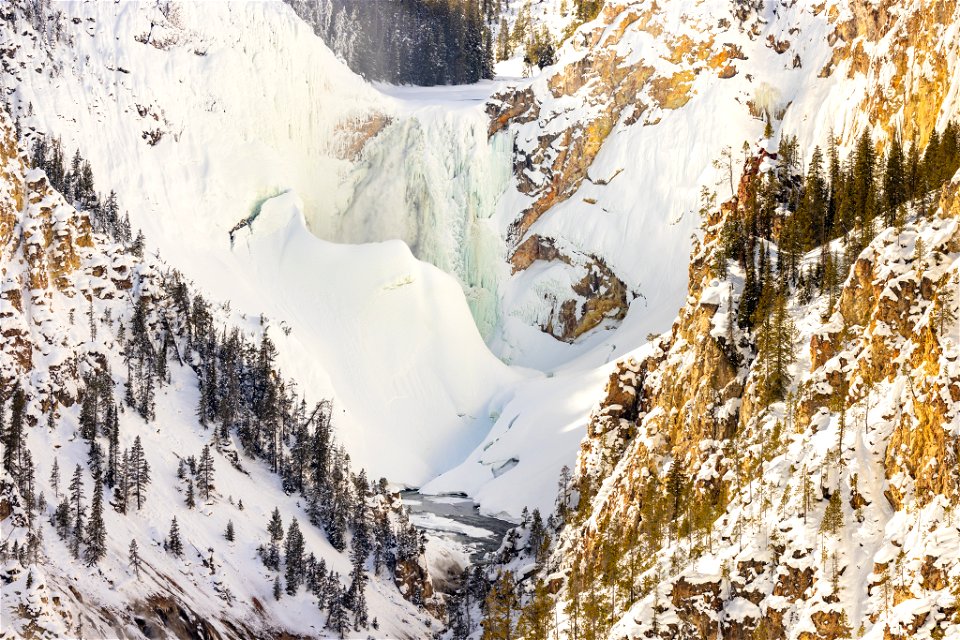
[{"x": 701, "y": 509}]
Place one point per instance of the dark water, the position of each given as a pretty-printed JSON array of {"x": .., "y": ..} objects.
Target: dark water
[{"x": 457, "y": 519}]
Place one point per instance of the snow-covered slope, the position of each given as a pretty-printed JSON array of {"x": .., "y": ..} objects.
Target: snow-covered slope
[
  {"x": 76, "y": 309},
  {"x": 703, "y": 505},
  {"x": 198, "y": 114}
]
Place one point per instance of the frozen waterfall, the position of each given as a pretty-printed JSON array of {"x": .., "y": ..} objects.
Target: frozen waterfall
[{"x": 431, "y": 178}]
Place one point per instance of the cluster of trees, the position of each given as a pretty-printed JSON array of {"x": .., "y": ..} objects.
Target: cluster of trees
[
  {"x": 423, "y": 42},
  {"x": 17, "y": 457},
  {"x": 129, "y": 481},
  {"x": 346, "y": 607},
  {"x": 241, "y": 394},
  {"x": 538, "y": 45},
  {"x": 787, "y": 213},
  {"x": 504, "y": 615},
  {"x": 428, "y": 42},
  {"x": 848, "y": 199},
  {"x": 201, "y": 476},
  {"x": 505, "y": 610},
  {"x": 75, "y": 182},
  {"x": 834, "y": 199}
]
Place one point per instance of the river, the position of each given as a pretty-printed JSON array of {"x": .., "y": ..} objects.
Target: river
[{"x": 457, "y": 534}]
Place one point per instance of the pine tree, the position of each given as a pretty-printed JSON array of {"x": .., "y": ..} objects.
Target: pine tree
[
  {"x": 500, "y": 606},
  {"x": 275, "y": 529},
  {"x": 13, "y": 435},
  {"x": 55, "y": 478},
  {"x": 76, "y": 501},
  {"x": 750, "y": 298},
  {"x": 121, "y": 492},
  {"x": 356, "y": 598},
  {"x": 806, "y": 492},
  {"x": 920, "y": 255},
  {"x": 912, "y": 170},
  {"x": 174, "y": 544},
  {"x": 775, "y": 345},
  {"x": 139, "y": 471},
  {"x": 833, "y": 515},
  {"x": 596, "y": 614},
  {"x": 293, "y": 556},
  {"x": 358, "y": 595},
  {"x": 863, "y": 190},
  {"x": 229, "y": 533},
  {"x": 191, "y": 500},
  {"x": 815, "y": 204},
  {"x": 830, "y": 280},
  {"x": 27, "y": 485},
  {"x": 535, "y": 617},
  {"x": 276, "y": 588},
  {"x": 944, "y": 313},
  {"x": 337, "y": 616},
  {"x": 113, "y": 450},
  {"x": 52, "y": 413},
  {"x": 96, "y": 530},
  {"x": 894, "y": 180},
  {"x": 134, "y": 555},
  {"x": 205, "y": 472},
  {"x": 61, "y": 518}
]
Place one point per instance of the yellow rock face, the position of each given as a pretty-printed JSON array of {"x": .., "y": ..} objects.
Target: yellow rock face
[
  {"x": 39, "y": 231},
  {"x": 909, "y": 81}
]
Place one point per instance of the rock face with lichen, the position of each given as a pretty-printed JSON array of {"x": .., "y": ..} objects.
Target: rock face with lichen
[
  {"x": 44, "y": 239},
  {"x": 905, "y": 53}
]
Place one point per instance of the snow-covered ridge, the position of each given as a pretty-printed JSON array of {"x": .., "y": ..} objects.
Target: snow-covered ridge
[{"x": 700, "y": 509}]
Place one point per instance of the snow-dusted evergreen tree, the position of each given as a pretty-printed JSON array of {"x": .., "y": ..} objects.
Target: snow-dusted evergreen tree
[
  {"x": 96, "y": 530},
  {"x": 13, "y": 435},
  {"x": 55, "y": 478},
  {"x": 173, "y": 543},
  {"x": 190, "y": 499},
  {"x": 134, "y": 557},
  {"x": 293, "y": 557},
  {"x": 337, "y": 617},
  {"x": 77, "y": 511},
  {"x": 139, "y": 471},
  {"x": 275, "y": 529},
  {"x": 205, "y": 473}
]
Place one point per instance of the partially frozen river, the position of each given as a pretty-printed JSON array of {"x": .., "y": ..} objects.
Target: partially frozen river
[{"x": 457, "y": 534}]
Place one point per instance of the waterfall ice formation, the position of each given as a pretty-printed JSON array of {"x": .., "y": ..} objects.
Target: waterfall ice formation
[{"x": 433, "y": 179}]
